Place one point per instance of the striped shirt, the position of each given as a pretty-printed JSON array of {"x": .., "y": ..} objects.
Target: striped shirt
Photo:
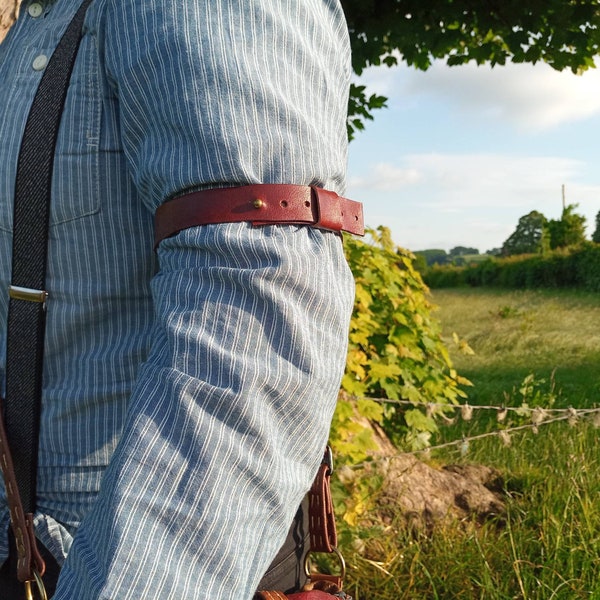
[{"x": 188, "y": 393}]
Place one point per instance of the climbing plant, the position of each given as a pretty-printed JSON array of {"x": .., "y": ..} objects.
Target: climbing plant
[{"x": 396, "y": 352}]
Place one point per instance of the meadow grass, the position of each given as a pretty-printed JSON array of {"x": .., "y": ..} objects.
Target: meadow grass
[
  {"x": 514, "y": 333},
  {"x": 547, "y": 544}
]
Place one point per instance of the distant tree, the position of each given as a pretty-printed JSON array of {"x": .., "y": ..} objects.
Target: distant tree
[
  {"x": 462, "y": 251},
  {"x": 596, "y": 234},
  {"x": 569, "y": 230},
  {"x": 419, "y": 263},
  {"x": 494, "y": 252},
  {"x": 434, "y": 256},
  {"x": 529, "y": 237}
]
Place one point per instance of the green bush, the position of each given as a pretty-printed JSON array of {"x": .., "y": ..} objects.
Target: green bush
[
  {"x": 587, "y": 268},
  {"x": 440, "y": 276},
  {"x": 577, "y": 267}
]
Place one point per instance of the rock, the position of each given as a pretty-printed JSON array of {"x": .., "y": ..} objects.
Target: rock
[{"x": 425, "y": 494}]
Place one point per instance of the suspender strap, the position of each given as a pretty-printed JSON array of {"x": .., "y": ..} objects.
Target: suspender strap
[{"x": 27, "y": 306}]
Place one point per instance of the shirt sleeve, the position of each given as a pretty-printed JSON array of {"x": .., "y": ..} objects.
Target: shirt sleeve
[
  {"x": 231, "y": 411},
  {"x": 222, "y": 92}
]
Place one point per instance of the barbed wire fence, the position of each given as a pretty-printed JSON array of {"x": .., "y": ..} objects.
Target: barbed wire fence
[{"x": 536, "y": 417}]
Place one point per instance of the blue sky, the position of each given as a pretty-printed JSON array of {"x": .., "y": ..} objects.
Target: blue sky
[{"x": 463, "y": 152}]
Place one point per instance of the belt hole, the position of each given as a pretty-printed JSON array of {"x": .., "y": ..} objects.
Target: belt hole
[
  {"x": 284, "y": 203},
  {"x": 307, "y": 203}
]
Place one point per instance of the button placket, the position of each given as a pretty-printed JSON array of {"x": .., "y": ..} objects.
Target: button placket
[{"x": 35, "y": 10}]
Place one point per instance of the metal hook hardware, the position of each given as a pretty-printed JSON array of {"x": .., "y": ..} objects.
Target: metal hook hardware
[
  {"x": 342, "y": 562},
  {"x": 41, "y": 589}
]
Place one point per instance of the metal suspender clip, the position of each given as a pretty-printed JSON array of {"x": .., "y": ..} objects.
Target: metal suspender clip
[{"x": 27, "y": 294}]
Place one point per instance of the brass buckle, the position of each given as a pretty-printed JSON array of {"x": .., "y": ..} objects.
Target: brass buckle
[
  {"x": 41, "y": 589},
  {"x": 335, "y": 551}
]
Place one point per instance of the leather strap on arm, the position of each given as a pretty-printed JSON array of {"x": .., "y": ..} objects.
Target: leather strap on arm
[{"x": 260, "y": 204}]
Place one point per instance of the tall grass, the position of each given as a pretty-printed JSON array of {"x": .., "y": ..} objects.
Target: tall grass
[
  {"x": 514, "y": 333},
  {"x": 547, "y": 545}
]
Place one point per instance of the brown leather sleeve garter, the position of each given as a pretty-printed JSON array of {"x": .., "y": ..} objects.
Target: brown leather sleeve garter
[{"x": 260, "y": 204}]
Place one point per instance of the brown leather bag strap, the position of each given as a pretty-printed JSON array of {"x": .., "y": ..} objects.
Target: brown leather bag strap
[
  {"x": 322, "y": 530},
  {"x": 270, "y": 595},
  {"x": 29, "y": 558},
  {"x": 308, "y": 595},
  {"x": 316, "y": 595},
  {"x": 323, "y": 538},
  {"x": 323, "y": 534},
  {"x": 304, "y": 595}
]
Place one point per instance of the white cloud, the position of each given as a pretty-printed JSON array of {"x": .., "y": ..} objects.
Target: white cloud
[
  {"x": 534, "y": 97},
  {"x": 465, "y": 180},
  {"x": 385, "y": 177},
  {"x": 444, "y": 200}
]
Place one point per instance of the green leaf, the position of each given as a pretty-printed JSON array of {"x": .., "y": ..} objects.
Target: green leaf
[{"x": 419, "y": 421}]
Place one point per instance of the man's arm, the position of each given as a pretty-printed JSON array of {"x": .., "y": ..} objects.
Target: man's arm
[{"x": 228, "y": 420}]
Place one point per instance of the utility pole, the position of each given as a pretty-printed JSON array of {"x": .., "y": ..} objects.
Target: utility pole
[{"x": 563, "y": 197}]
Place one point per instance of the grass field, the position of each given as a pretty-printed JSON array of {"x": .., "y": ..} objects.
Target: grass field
[
  {"x": 547, "y": 545},
  {"x": 514, "y": 333}
]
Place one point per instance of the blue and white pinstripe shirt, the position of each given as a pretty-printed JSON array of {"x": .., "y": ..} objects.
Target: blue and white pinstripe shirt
[{"x": 187, "y": 396}]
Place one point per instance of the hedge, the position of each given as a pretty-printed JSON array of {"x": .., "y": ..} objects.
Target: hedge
[{"x": 565, "y": 268}]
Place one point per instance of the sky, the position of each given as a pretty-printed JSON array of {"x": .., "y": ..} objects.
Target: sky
[{"x": 461, "y": 153}]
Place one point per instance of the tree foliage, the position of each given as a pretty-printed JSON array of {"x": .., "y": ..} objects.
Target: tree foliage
[
  {"x": 562, "y": 33},
  {"x": 530, "y": 236},
  {"x": 462, "y": 251},
  {"x": 569, "y": 230},
  {"x": 433, "y": 256},
  {"x": 574, "y": 267},
  {"x": 535, "y": 234},
  {"x": 596, "y": 234}
]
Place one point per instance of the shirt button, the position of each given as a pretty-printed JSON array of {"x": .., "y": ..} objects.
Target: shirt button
[
  {"x": 40, "y": 62},
  {"x": 35, "y": 10}
]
